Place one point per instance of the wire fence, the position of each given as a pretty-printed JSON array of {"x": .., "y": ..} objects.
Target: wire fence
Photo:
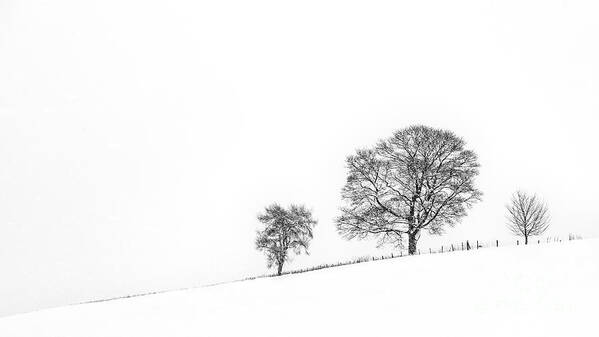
[
  {"x": 479, "y": 244},
  {"x": 447, "y": 248},
  {"x": 452, "y": 247}
]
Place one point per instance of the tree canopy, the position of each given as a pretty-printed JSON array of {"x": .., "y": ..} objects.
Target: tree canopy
[
  {"x": 285, "y": 230},
  {"x": 420, "y": 178},
  {"x": 527, "y": 215}
]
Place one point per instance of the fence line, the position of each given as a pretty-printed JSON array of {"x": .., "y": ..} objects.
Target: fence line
[
  {"x": 476, "y": 244},
  {"x": 361, "y": 259},
  {"x": 464, "y": 245}
]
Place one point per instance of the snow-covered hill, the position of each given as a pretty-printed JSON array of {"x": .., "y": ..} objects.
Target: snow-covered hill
[{"x": 542, "y": 290}]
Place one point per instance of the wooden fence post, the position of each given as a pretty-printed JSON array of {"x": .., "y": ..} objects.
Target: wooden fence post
[{"x": 497, "y": 243}]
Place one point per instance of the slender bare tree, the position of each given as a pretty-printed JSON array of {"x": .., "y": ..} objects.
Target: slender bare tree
[
  {"x": 285, "y": 230},
  {"x": 421, "y": 178},
  {"x": 527, "y": 215}
]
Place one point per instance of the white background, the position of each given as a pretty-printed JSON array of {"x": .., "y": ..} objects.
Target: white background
[{"x": 139, "y": 139}]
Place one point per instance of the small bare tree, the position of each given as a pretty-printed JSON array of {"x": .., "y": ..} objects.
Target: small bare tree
[
  {"x": 419, "y": 179},
  {"x": 285, "y": 230},
  {"x": 527, "y": 215}
]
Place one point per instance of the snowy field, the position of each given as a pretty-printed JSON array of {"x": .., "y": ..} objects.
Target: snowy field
[{"x": 540, "y": 290}]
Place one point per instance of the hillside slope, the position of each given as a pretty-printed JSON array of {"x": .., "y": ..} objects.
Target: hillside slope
[{"x": 544, "y": 290}]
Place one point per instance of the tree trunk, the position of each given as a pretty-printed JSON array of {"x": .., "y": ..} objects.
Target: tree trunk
[
  {"x": 412, "y": 240},
  {"x": 279, "y": 268},
  {"x": 525, "y": 239}
]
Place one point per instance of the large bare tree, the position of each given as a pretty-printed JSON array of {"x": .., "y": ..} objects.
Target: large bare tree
[
  {"x": 419, "y": 179},
  {"x": 527, "y": 215},
  {"x": 284, "y": 230}
]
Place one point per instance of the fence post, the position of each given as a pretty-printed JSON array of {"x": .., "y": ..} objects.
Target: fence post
[
  {"x": 441, "y": 248},
  {"x": 497, "y": 243},
  {"x": 467, "y": 245},
  {"x": 476, "y": 244},
  {"x": 462, "y": 245}
]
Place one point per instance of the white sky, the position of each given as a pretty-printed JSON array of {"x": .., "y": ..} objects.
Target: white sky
[{"x": 139, "y": 139}]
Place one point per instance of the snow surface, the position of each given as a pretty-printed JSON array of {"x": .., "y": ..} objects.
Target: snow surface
[{"x": 539, "y": 290}]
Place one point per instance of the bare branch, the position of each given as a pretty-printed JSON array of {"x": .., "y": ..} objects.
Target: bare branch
[{"x": 527, "y": 215}]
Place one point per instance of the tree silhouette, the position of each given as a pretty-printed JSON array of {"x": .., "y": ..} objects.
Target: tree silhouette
[
  {"x": 286, "y": 230},
  {"x": 527, "y": 215},
  {"x": 421, "y": 178}
]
